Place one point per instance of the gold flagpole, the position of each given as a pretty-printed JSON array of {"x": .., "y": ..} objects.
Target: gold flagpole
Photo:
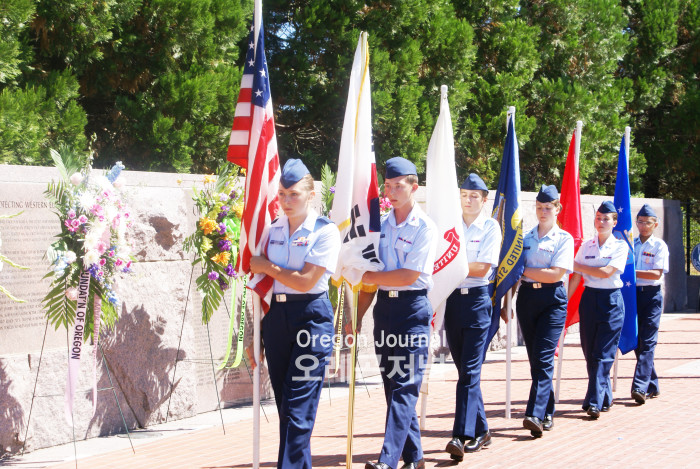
[{"x": 353, "y": 358}]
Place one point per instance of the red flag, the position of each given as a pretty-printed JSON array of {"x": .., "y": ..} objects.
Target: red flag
[
  {"x": 253, "y": 145},
  {"x": 569, "y": 219}
]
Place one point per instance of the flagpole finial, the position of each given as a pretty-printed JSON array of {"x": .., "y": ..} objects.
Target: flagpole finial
[
  {"x": 443, "y": 91},
  {"x": 579, "y": 125}
]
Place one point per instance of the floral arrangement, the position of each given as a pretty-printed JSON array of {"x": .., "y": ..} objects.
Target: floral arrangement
[
  {"x": 215, "y": 240},
  {"x": 94, "y": 226},
  {"x": 5, "y": 260}
]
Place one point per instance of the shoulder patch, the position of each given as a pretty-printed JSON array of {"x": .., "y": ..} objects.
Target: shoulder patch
[{"x": 321, "y": 221}]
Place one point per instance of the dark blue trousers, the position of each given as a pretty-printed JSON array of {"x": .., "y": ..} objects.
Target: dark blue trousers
[
  {"x": 401, "y": 334},
  {"x": 298, "y": 340},
  {"x": 649, "y": 303},
  {"x": 602, "y": 313},
  {"x": 467, "y": 322},
  {"x": 541, "y": 315}
]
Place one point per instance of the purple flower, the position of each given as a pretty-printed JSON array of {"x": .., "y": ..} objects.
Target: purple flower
[
  {"x": 224, "y": 245},
  {"x": 223, "y": 284},
  {"x": 234, "y": 194},
  {"x": 222, "y": 229},
  {"x": 332, "y": 189},
  {"x": 230, "y": 271},
  {"x": 213, "y": 275}
]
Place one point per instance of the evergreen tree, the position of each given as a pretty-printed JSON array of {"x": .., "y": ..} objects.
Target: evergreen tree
[
  {"x": 664, "y": 63},
  {"x": 415, "y": 46},
  {"x": 38, "y": 108}
]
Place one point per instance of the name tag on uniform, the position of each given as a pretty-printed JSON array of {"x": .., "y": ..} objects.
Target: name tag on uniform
[
  {"x": 277, "y": 241},
  {"x": 590, "y": 257},
  {"x": 303, "y": 241}
]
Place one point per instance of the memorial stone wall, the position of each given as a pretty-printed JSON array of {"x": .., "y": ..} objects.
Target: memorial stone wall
[{"x": 159, "y": 353}]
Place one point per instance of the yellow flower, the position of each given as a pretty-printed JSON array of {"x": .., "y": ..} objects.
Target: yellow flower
[
  {"x": 243, "y": 171},
  {"x": 222, "y": 258},
  {"x": 206, "y": 244},
  {"x": 179, "y": 181},
  {"x": 209, "y": 178},
  {"x": 207, "y": 225}
]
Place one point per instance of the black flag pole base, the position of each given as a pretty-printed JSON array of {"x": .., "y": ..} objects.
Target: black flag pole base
[
  {"x": 35, "y": 395},
  {"x": 211, "y": 358}
]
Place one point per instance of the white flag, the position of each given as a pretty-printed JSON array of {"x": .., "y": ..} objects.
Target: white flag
[
  {"x": 444, "y": 208},
  {"x": 356, "y": 202}
]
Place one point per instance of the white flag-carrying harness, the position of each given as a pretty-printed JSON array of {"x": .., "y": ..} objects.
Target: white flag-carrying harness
[
  {"x": 356, "y": 202},
  {"x": 444, "y": 208}
]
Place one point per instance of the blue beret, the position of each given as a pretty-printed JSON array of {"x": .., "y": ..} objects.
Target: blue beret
[
  {"x": 473, "y": 183},
  {"x": 647, "y": 211},
  {"x": 398, "y": 166},
  {"x": 607, "y": 207},
  {"x": 292, "y": 172},
  {"x": 547, "y": 193}
]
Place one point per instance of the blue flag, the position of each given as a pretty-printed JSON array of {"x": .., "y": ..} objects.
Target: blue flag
[
  {"x": 506, "y": 210},
  {"x": 623, "y": 230}
]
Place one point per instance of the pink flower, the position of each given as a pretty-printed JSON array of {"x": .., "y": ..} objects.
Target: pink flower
[
  {"x": 128, "y": 265},
  {"x": 68, "y": 225},
  {"x": 101, "y": 247},
  {"x": 103, "y": 261},
  {"x": 71, "y": 213},
  {"x": 118, "y": 262},
  {"x": 97, "y": 209},
  {"x": 74, "y": 224},
  {"x": 82, "y": 219},
  {"x": 72, "y": 293},
  {"x": 111, "y": 253}
]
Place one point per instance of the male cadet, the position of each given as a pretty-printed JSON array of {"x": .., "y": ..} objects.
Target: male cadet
[
  {"x": 402, "y": 313},
  {"x": 651, "y": 262}
]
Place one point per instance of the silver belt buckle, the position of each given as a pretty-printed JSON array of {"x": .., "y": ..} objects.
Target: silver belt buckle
[
  {"x": 464, "y": 291},
  {"x": 536, "y": 285},
  {"x": 393, "y": 293},
  {"x": 281, "y": 298}
]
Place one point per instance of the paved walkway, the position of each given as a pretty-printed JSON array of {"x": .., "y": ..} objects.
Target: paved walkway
[{"x": 665, "y": 432}]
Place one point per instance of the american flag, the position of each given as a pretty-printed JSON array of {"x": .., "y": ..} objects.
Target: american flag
[{"x": 253, "y": 145}]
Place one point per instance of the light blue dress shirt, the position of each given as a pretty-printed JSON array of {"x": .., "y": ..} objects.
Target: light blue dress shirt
[
  {"x": 555, "y": 249},
  {"x": 651, "y": 255},
  {"x": 483, "y": 239},
  {"x": 411, "y": 245},
  {"x": 320, "y": 247},
  {"x": 613, "y": 252}
]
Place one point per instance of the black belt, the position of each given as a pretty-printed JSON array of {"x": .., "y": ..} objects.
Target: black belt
[
  {"x": 288, "y": 297},
  {"x": 537, "y": 285},
  {"x": 401, "y": 293},
  {"x": 648, "y": 287}
]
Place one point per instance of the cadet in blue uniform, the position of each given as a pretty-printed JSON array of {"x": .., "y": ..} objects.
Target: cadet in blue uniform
[
  {"x": 297, "y": 331},
  {"x": 651, "y": 262},
  {"x": 468, "y": 318},
  {"x": 600, "y": 261},
  {"x": 402, "y": 313},
  {"x": 541, "y": 304}
]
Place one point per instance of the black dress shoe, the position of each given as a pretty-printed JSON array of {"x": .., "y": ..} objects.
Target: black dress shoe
[
  {"x": 455, "y": 448},
  {"x": 475, "y": 444},
  {"x": 653, "y": 395},
  {"x": 534, "y": 425},
  {"x": 639, "y": 396},
  {"x": 377, "y": 465},
  {"x": 548, "y": 422},
  {"x": 606, "y": 408},
  {"x": 414, "y": 465},
  {"x": 593, "y": 411}
]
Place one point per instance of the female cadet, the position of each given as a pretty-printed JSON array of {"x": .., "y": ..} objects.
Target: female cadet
[
  {"x": 541, "y": 304},
  {"x": 468, "y": 318},
  {"x": 600, "y": 261},
  {"x": 302, "y": 252}
]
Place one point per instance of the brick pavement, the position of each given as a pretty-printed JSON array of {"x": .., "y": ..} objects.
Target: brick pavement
[{"x": 665, "y": 432}]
